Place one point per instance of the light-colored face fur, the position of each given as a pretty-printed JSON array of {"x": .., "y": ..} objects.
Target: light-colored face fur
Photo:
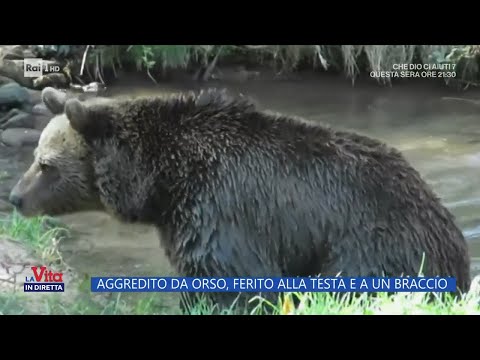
[{"x": 60, "y": 179}]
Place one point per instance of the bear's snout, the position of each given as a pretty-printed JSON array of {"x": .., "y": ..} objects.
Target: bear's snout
[{"x": 15, "y": 200}]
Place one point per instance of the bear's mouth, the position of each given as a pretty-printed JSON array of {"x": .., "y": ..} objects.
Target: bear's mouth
[
  {"x": 29, "y": 208},
  {"x": 24, "y": 211}
]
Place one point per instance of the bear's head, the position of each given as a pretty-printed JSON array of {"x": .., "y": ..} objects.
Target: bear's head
[{"x": 60, "y": 180}]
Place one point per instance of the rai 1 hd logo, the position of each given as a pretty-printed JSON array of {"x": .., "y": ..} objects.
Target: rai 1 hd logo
[{"x": 36, "y": 67}]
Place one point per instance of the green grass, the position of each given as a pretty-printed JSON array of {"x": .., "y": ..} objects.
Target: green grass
[
  {"x": 381, "y": 304},
  {"x": 84, "y": 304},
  {"x": 310, "y": 304},
  {"x": 42, "y": 234},
  {"x": 364, "y": 304}
]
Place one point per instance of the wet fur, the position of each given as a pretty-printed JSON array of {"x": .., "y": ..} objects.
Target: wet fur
[{"x": 241, "y": 192}]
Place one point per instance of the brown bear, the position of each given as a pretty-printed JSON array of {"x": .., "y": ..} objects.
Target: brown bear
[{"x": 240, "y": 192}]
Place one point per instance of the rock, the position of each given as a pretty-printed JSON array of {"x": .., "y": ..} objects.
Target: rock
[
  {"x": 41, "y": 109},
  {"x": 57, "y": 80},
  {"x": 16, "y": 118},
  {"x": 13, "y": 95},
  {"x": 40, "y": 122},
  {"x": 42, "y": 116},
  {"x": 12, "y": 52},
  {"x": 20, "y": 137},
  {"x": 17, "y": 52},
  {"x": 5, "y": 80},
  {"x": 37, "y": 119},
  {"x": 28, "y": 53},
  {"x": 35, "y": 96},
  {"x": 16, "y": 260},
  {"x": 14, "y": 70}
]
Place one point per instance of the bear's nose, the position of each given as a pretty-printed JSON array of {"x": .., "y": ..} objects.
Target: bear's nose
[{"x": 15, "y": 201}]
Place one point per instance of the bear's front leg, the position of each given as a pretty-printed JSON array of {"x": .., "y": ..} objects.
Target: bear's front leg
[{"x": 225, "y": 259}]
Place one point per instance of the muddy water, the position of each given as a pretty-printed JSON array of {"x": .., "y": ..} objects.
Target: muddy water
[{"x": 441, "y": 137}]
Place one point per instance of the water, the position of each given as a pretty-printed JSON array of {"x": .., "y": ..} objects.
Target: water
[{"x": 440, "y": 137}]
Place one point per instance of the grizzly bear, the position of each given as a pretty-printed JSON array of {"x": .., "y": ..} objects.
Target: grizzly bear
[{"x": 241, "y": 192}]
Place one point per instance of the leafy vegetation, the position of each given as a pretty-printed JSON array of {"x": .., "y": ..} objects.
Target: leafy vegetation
[{"x": 99, "y": 62}]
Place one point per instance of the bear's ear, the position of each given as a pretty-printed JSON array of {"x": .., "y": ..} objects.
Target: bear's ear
[
  {"x": 78, "y": 116},
  {"x": 91, "y": 121},
  {"x": 54, "y": 100}
]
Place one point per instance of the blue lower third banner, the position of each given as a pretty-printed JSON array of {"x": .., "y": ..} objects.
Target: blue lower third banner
[{"x": 275, "y": 284}]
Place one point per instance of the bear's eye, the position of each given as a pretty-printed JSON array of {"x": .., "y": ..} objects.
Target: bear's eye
[{"x": 44, "y": 167}]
